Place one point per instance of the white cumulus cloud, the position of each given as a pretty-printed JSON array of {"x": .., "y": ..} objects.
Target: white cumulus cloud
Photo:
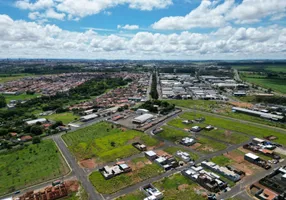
[{"x": 128, "y": 27}]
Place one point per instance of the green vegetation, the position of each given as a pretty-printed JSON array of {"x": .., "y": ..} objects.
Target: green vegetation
[
  {"x": 132, "y": 196},
  {"x": 221, "y": 160},
  {"x": 178, "y": 187},
  {"x": 80, "y": 195},
  {"x": 124, "y": 180},
  {"x": 105, "y": 142},
  {"x": 240, "y": 127},
  {"x": 226, "y": 136},
  {"x": 23, "y": 97},
  {"x": 172, "y": 134},
  {"x": 179, "y": 124},
  {"x": 154, "y": 92},
  {"x": 30, "y": 165},
  {"x": 66, "y": 117},
  {"x": 209, "y": 146},
  {"x": 196, "y": 104},
  {"x": 2, "y": 101},
  {"x": 173, "y": 151},
  {"x": 155, "y": 105},
  {"x": 12, "y": 77}
]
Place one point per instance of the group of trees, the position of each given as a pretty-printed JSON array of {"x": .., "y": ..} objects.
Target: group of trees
[
  {"x": 154, "y": 92},
  {"x": 155, "y": 106},
  {"x": 2, "y": 102}
]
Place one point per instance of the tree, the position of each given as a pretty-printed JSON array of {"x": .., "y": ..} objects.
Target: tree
[
  {"x": 2, "y": 102},
  {"x": 3, "y": 131},
  {"x": 36, "y": 140},
  {"x": 36, "y": 130}
]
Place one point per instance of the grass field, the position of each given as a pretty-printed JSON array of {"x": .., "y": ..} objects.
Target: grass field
[
  {"x": 178, "y": 123},
  {"x": 276, "y": 68},
  {"x": 209, "y": 146},
  {"x": 12, "y": 77},
  {"x": 124, "y": 180},
  {"x": 178, "y": 187},
  {"x": 105, "y": 142},
  {"x": 173, "y": 151},
  {"x": 226, "y": 136},
  {"x": 196, "y": 104},
  {"x": 172, "y": 134},
  {"x": 64, "y": 117},
  {"x": 133, "y": 196},
  {"x": 30, "y": 165},
  {"x": 240, "y": 127},
  {"x": 23, "y": 97},
  {"x": 277, "y": 85},
  {"x": 221, "y": 160}
]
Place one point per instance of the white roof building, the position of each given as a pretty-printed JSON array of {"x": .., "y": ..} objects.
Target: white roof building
[
  {"x": 33, "y": 122},
  {"x": 143, "y": 118}
]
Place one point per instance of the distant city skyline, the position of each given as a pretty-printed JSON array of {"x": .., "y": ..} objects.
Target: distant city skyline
[{"x": 143, "y": 29}]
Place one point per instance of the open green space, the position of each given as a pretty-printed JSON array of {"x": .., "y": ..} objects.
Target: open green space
[
  {"x": 133, "y": 196},
  {"x": 105, "y": 142},
  {"x": 124, "y": 180},
  {"x": 249, "y": 129},
  {"x": 178, "y": 187},
  {"x": 30, "y": 165},
  {"x": 226, "y": 136},
  {"x": 221, "y": 160},
  {"x": 23, "y": 97},
  {"x": 173, "y": 151},
  {"x": 276, "y": 69},
  {"x": 209, "y": 146},
  {"x": 12, "y": 77},
  {"x": 196, "y": 104},
  {"x": 172, "y": 134},
  {"x": 66, "y": 117},
  {"x": 178, "y": 122},
  {"x": 277, "y": 85}
]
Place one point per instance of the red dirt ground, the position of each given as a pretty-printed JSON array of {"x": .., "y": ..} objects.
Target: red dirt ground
[{"x": 89, "y": 164}]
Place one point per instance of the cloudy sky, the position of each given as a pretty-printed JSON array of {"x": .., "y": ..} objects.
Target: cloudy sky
[{"x": 143, "y": 29}]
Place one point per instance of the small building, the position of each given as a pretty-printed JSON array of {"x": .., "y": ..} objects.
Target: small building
[
  {"x": 143, "y": 118},
  {"x": 251, "y": 157},
  {"x": 88, "y": 117},
  {"x": 196, "y": 129},
  {"x": 152, "y": 193},
  {"x": 109, "y": 172},
  {"x": 187, "y": 122},
  {"x": 26, "y": 138},
  {"x": 151, "y": 155},
  {"x": 187, "y": 141},
  {"x": 239, "y": 94},
  {"x": 184, "y": 156},
  {"x": 209, "y": 128},
  {"x": 33, "y": 122},
  {"x": 139, "y": 146}
]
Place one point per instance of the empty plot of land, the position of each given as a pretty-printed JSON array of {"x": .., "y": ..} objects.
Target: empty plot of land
[
  {"x": 249, "y": 129},
  {"x": 142, "y": 169},
  {"x": 30, "y": 165},
  {"x": 180, "y": 188},
  {"x": 208, "y": 145},
  {"x": 105, "y": 142}
]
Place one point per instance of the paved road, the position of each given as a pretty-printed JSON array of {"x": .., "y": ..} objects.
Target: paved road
[
  {"x": 247, "y": 181},
  {"x": 78, "y": 171}
]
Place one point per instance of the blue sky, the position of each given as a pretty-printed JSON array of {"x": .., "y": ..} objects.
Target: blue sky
[{"x": 143, "y": 29}]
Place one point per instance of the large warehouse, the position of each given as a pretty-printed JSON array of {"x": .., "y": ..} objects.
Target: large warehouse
[{"x": 142, "y": 118}]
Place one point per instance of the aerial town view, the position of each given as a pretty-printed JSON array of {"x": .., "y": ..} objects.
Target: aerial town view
[{"x": 143, "y": 100}]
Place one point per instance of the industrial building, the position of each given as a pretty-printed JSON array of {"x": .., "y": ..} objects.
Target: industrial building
[
  {"x": 258, "y": 113},
  {"x": 143, "y": 118},
  {"x": 33, "y": 122}
]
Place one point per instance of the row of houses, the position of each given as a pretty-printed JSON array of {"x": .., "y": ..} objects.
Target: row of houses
[{"x": 166, "y": 162}]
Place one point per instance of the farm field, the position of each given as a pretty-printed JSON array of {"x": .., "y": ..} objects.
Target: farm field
[
  {"x": 239, "y": 127},
  {"x": 179, "y": 187},
  {"x": 31, "y": 165},
  {"x": 142, "y": 169},
  {"x": 64, "y": 117},
  {"x": 277, "y": 85},
  {"x": 20, "y": 97},
  {"x": 105, "y": 142}
]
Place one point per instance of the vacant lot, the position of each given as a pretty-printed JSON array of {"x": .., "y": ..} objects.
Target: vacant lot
[
  {"x": 196, "y": 104},
  {"x": 209, "y": 146},
  {"x": 221, "y": 160},
  {"x": 142, "y": 169},
  {"x": 172, "y": 134},
  {"x": 12, "y": 77},
  {"x": 180, "y": 188},
  {"x": 105, "y": 141},
  {"x": 30, "y": 165},
  {"x": 226, "y": 136},
  {"x": 64, "y": 117},
  {"x": 178, "y": 122},
  {"x": 240, "y": 127},
  {"x": 133, "y": 196}
]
